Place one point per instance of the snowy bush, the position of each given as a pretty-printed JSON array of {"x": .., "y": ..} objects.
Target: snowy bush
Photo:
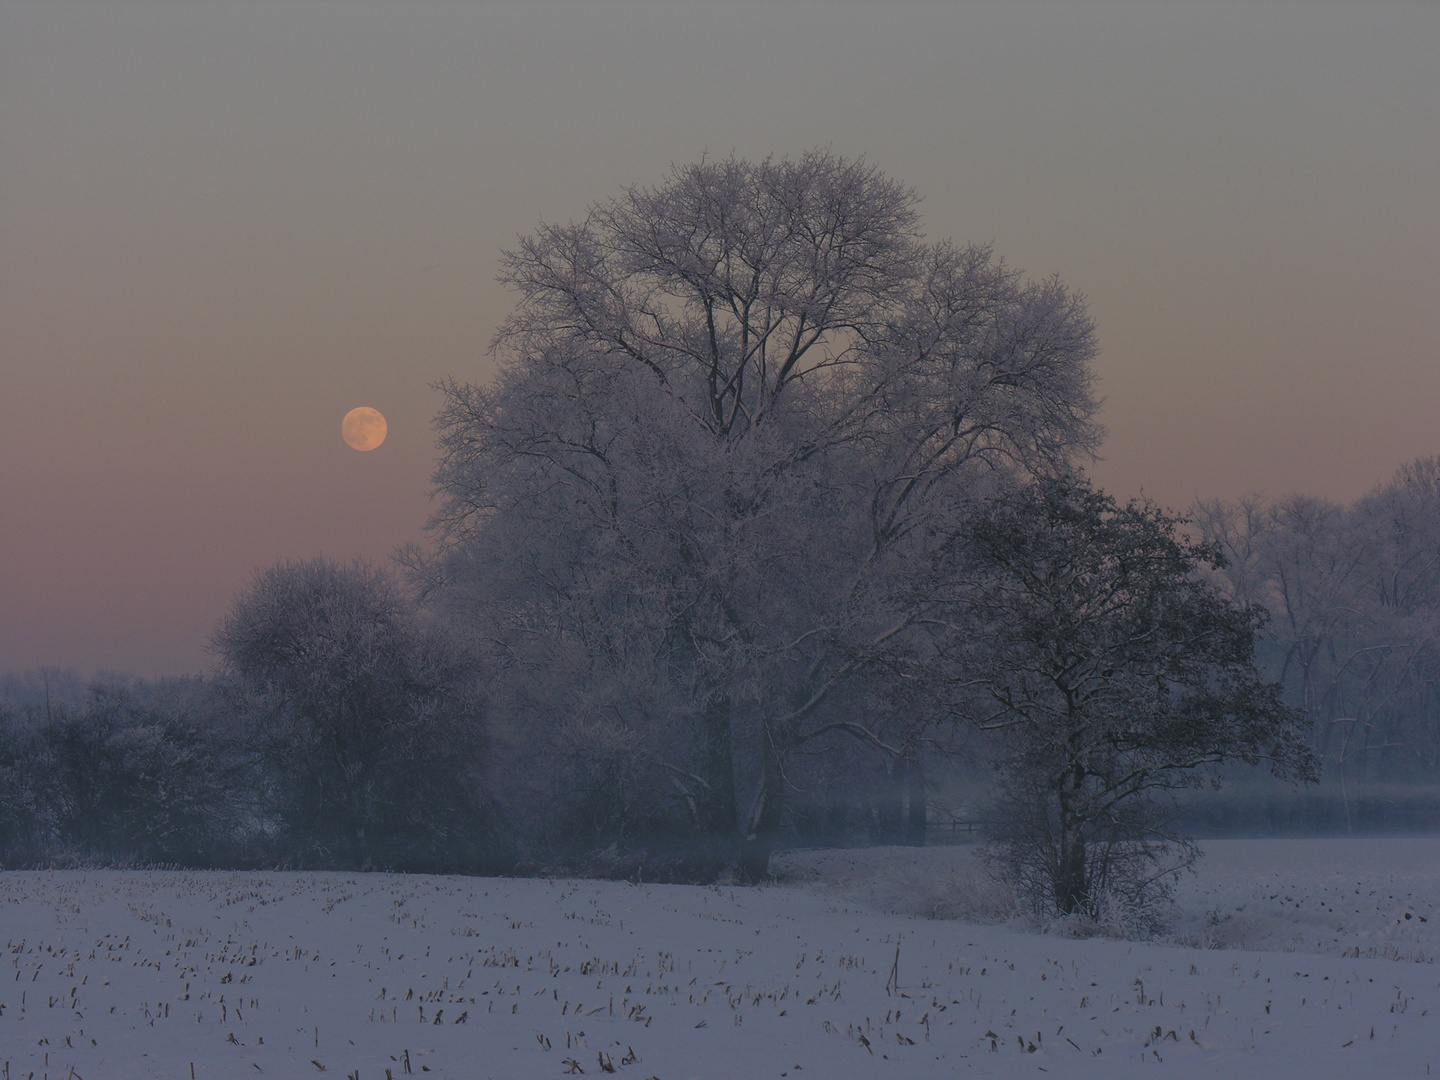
[{"x": 368, "y": 721}]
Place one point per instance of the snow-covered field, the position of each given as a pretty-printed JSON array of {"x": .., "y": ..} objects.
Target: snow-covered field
[{"x": 840, "y": 972}]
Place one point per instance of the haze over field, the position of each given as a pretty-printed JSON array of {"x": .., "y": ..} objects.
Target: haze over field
[{"x": 222, "y": 227}]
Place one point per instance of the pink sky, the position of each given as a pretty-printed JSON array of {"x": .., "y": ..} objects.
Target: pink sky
[{"x": 222, "y": 226}]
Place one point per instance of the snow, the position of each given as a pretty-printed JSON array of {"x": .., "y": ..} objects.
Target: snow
[
  {"x": 1365, "y": 898},
  {"x": 839, "y": 972}
]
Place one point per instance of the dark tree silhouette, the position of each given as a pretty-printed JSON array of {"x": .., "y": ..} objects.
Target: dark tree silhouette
[{"x": 1112, "y": 672}]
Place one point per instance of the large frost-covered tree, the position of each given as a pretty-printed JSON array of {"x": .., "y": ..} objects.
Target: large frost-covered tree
[{"x": 737, "y": 415}]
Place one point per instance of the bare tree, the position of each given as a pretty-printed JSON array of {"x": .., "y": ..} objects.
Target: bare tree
[
  {"x": 736, "y": 415},
  {"x": 1355, "y": 638}
]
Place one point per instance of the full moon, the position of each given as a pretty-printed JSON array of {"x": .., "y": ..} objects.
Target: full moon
[{"x": 363, "y": 428}]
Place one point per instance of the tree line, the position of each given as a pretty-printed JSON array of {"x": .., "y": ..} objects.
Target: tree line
[
  {"x": 774, "y": 507},
  {"x": 343, "y": 731},
  {"x": 1353, "y": 636}
]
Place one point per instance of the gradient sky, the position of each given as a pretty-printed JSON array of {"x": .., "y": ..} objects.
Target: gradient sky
[{"x": 222, "y": 226}]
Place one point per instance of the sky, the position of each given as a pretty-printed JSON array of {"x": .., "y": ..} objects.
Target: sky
[{"x": 224, "y": 225}]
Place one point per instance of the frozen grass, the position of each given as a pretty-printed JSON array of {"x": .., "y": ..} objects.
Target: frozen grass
[
  {"x": 1364, "y": 898},
  {"x": 119, "y": 974}
]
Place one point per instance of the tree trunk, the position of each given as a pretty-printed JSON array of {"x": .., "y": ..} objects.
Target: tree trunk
[
  {"x": 891, "y": 804},
  {"x": 915, "y": 812},
  {"x": 763, "y": 824},
  {"x": 720, "y": 822},
  {"x": 1070, "y": 889},
  {"x": 837, "y": 815}
]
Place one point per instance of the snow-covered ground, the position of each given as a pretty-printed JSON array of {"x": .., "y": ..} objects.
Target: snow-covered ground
[
  {"x": 1367, "y": 898},
  {"x": 112, "y": 974}
]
